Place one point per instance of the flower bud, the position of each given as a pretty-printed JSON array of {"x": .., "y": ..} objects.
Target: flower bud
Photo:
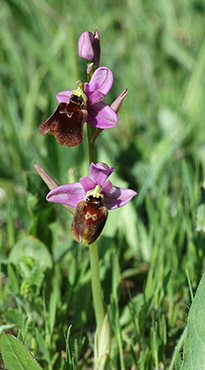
[
  {"x": 89, "y": 47},
  {"x": 89, "y": 219},
  {"x": 86, "y": 46}
]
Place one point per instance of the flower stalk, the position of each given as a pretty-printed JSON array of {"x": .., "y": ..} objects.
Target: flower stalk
[
  {"x": 94, "y": 265},
  {"x": 91, "y": 133},
  {"x": 102, "y": 337},
  {"x": 96, "y": 288}
]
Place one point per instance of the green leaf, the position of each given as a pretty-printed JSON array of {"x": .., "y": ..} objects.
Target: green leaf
[
  {"x": 69, "y": 361},
  {"x": 31, "y": 247},
  {"x": 201, "y": 218},
  {"x": 52, "y": 309},
  {"x": 201, "y": 212},
  {"x": 6, "y": 327},
  {"x": 13, "y": 279},
  {"x": 41, "y": 342},
  {"x": 14, "y": 317},
  {"x": 194, "y": 347},
  {"x": 178, "y": 360},
  {"x": 103, "y": 347},
  {"x": 16, "y": 355}
]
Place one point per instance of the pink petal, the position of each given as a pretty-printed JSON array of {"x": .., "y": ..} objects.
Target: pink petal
[
  {"x": 118, "y": 197},
  {"x": 117, "y": 103},
  {"x": 64, "y": 96},
  {"x": 99, "y": 172},
  {"x": 89, "y": 67},
  {"x": 95, "y": 97},
  {"x": 69, "y": 194},
  {"x": 102, "y": 80},
  {"x": 101, "y": 115},
  {"x": 45, "y": 177},
  {"x": 87, "y": 183},
  {"x": 106, "y": 187}
]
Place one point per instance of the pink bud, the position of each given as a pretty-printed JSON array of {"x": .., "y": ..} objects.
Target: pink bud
[
  {"x": 89, "y": 47},
  {"x": 86, "y": 46}
]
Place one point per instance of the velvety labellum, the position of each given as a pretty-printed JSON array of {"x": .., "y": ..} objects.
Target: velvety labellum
[
  {"x": 66, "y": 123},
  {"x": 89, "y": 219}
]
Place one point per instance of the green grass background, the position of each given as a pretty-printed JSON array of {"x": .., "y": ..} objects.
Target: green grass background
[{"x": 157, "y": 51}]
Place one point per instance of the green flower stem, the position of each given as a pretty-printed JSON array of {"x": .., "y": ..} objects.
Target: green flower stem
[
  {"x": 91, "y": 153},
  {"x": 94, "y": 259},
  {"x": 96, "y": 287},
  {"x": 91, "y": 143}
]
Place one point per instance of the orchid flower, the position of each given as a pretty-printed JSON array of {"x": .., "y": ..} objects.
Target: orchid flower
[
  {"x": 100, "y": 114},
  {"x": 92, "y": 197},
  {"x": 83, "y": 104}
]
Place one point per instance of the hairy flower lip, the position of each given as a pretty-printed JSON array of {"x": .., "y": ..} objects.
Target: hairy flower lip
[
  {"x": 66, "y": 123},
  {"x": 72, "y": 194}
]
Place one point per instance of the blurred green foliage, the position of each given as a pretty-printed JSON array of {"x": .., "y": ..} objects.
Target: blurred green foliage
[{"x": 157, "y": 51}]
